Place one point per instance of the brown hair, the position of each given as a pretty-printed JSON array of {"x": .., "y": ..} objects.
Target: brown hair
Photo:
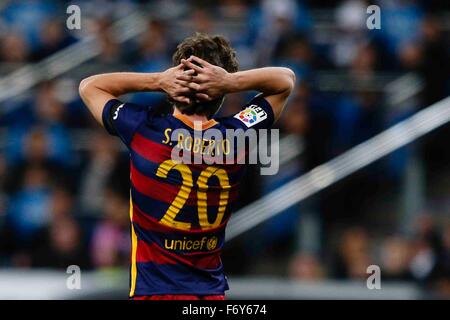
[{"x": 214, "y": 49}]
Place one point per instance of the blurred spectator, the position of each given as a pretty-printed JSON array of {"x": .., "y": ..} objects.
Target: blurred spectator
[
  {"x": 427, "y": 246},
  {"x": 233, "y": 9},
  {"x": 110, "y": 51},
  {"x": 48, "y": 106},
  {"x": 295, "y": 118},
  {"x": 441, "y": 273},
  {"x": 350, "y": 18},
  {"x": 34, "y": 151},
  {"x": 153, "y": 53},
  {"x": 411, "y": 57},
  {"x": 62, "y": 203},
  {"x": 43, "y": 123},
  {"x": 436, "y": 66},
  {"x": 293, "y": 50},
  {"x": 365, "y": 60},
  {"x": 426, "y": 230},
  {"x": 401, "y": 23},
  {"x": 306, "y": 267},
  {"x": 52, "y": 37},
  {"x": 29, "y": 207},
  {"x": 201, "y": 20},
  {"x": 25, "y": 15},
  {"x": 105, "y": 167},
  {"x": 358, "y": 116},
  {"x": 435, "y": 71},
  {"x": 395, "y": 258},
  {"x": 423, "y": 261},
  {"x": 110, "y": 245},
  {"x": 3, "y": 195},
  {"x": 13, "y": 49},
  {"x": 354, "y": 254},
  {"x": 60, "y": 244},
  {"x": 274, "y": 19},
  {"x": 154, "y": 48}
]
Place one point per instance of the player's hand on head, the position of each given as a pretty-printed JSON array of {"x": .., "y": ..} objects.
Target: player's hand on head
[
  {"x": 208, "y": 81},
  {"x": 175, "y": 90}
]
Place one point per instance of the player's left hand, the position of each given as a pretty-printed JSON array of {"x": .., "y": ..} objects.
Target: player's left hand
[{"x": 209, "y": 81}]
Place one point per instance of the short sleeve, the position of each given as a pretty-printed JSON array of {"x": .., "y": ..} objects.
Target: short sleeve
[
  {"x": 256, "y": 114},
  {"x": 123, "y": 119}
]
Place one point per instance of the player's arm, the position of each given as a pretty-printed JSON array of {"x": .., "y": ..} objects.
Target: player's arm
[
  {"x": 211, "y": 82},
  {"x": 96, "y": 91}
]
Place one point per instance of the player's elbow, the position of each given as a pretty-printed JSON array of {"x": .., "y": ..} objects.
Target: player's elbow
[
  {"x": 289, "y": 79},
  {"x": 85, "y": 87}
]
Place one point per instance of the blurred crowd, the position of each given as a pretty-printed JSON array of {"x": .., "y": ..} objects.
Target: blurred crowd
[
  {"x": 64, "y": 187},
  {"x": 422, "y": 258}
]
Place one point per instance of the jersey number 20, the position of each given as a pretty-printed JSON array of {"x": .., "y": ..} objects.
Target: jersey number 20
[{"x": 202, "y": 187}]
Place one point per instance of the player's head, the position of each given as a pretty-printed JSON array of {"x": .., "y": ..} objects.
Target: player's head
[{"x": 214, "y": 49}]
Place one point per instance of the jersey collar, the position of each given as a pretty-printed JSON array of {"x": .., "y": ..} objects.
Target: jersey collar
[{"x": 205, "y": 125}]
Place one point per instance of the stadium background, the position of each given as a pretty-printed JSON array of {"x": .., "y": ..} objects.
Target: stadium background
[{"x": 64, "y": 182}]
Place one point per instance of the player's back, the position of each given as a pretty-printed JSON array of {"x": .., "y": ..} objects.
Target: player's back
[{"x": 181, "y": 196}]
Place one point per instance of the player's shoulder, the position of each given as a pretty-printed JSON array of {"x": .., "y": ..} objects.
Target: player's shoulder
[
  {"x": 124, "y": 118},
  {"x": 257, "y": 113}
]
